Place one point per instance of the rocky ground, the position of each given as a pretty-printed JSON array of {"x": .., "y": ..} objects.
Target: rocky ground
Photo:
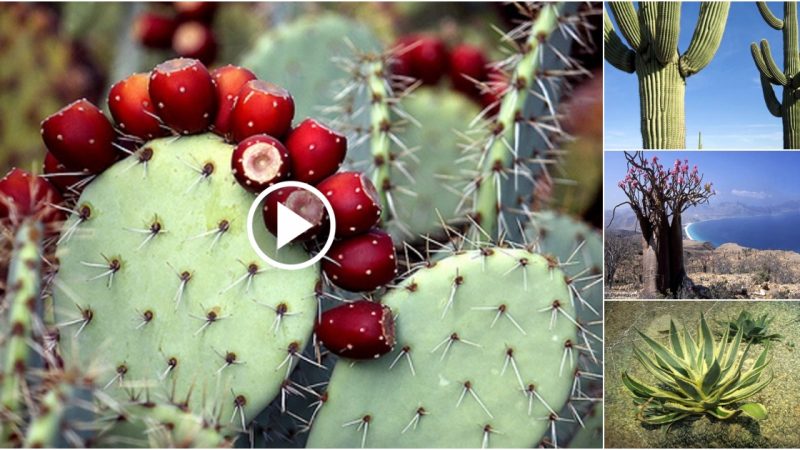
[
  {"x": 729, "y": 271},
  {"x": 781, "y": 398}
]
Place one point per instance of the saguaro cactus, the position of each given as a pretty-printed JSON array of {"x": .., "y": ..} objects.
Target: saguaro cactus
[
  {"x": 788, "y": 78},
  {"x": 652, "y": 33}
]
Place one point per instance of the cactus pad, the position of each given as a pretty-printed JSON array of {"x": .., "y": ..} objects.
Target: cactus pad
[
  {"x": 158, "y": 281},
  {"x": 472, "y": 365},
  {"x": 299, "y": 57},
  {"x": 438, "y": 160}
]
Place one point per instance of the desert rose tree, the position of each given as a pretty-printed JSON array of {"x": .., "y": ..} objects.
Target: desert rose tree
[{"x": 659, "y": 195}]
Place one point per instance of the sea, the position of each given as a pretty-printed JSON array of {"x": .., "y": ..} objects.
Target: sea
[{"x": 773, "y": 232}]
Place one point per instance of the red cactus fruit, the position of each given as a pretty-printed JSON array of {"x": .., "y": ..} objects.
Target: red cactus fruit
[
  {"x": 132, "y": 109},
  {"x": 301, "y": 202},
  {"x": 56, "y": 174},
  {"x": 195, "y": 40},
  {"x": 354, "y": 200},
  {"x": 25, "y": 195},
  {"x": 262, "y": 107},
  {"x": 316, "y": 151},
  {"x": 229, "y": 81},
  {"x": 81, "y": 137},
  {"x": 362, "y": 263},
  {"x": 200, "y": 11},
  {"x": 467, "y": 64},
  {"x": 358, "y": 330},
  {"x": 154, "y": 30},
  {"x": 421, "y": 57},
  {"x": 259, "y": 162},
  {"x": 184, "y": 95}
]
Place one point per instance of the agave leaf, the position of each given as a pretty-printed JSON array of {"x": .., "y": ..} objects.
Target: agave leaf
[
  {"x": 708, "y": 341},
  {"x": 689, "y": 344},
  {"x": 663, "y": 419},
  {"x": 636, "y": 387},
  {"x": 722, "y": 388},
  {"x": 724, "y": 414},
  {"x": 711, "y": 378},
  {"x": 687, "y": 386},
  {"x": 665, "y": 355},
  {"x": 733, "y": 350},
  {"x": 651, "y": 366},
  {"x": 675, "y": 339},
  {"x": 742, "y": 393},
  {"x": 755, "y": 410},
  {"x": 677, "y": 407}
]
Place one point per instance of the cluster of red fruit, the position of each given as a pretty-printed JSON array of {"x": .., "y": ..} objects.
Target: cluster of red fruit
[
  {"x": 187, "y": 30},
  {"x": 181, "y": 97},
  {"x": 427, "y": 58}
]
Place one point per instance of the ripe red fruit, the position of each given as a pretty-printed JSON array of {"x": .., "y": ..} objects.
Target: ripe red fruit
[
  {"x": 132, "y": 109},
  {"x": 259, "y": 162},
  {"x": 262, "y": 107},
  {"x": 195, "y": 40},
  {"x": 154, "y": 30},
  {"x": 81, "y": 137},
  {"x": 58, "y": 175},
  {"x": 362, "y": 263},
  {"x": 421, "y": 57},
  {"x": 25, "y": 195},
  {"x": 202, "y": 11},
  {"x": 301, "y": 202},
  {"x": 354, "y": 200},
  {"x": 316, "y": 151},
  {"x": 467, "y": 63},
  {"x": 229, "y": 81},
  {"x": 358, "y": 330},
  {"x": 184, "y": 95}
]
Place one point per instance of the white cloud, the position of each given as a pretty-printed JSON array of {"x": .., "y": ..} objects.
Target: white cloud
[{"x": 760, "y": 195}]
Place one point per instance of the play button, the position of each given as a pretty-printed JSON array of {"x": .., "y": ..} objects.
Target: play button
[
  {"x": 285, "y": 215},
  {"x": 290, "y": 225}
]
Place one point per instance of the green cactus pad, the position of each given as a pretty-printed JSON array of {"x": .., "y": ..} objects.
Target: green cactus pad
[
  {"x": 473, "y": 363},
  {"x": 300, "y": 57},
  {"x": 143, "y": 314},
  {"x": 438, "y": 160}
]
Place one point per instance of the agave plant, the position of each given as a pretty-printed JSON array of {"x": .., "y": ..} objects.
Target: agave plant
[
  {"x": 698, "y": 376},
  {"x": 754, "y": 330}
]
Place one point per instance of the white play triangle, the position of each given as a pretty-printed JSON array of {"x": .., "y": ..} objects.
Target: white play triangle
[{"x": 290, "y": 225}]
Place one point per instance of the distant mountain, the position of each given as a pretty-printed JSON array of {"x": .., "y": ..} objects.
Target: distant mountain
[{"x": 625, "y": 219}]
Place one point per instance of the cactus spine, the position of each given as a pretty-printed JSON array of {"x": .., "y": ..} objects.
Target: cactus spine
[
  {"x": 24, "y": 283},
  {"x": 652, "y": 33},
  {"x": 788, "y": 79},
  {"x": 502, "y": 148}
]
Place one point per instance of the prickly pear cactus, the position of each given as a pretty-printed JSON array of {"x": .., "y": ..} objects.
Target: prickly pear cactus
[
  {"x": 432, "y": 164},
  {"x": 579, "y": 250},
  {"x": 24, "y": 283},
  {"x": 300, "y": 56},
  {"x": 157, "y": 279},
  {"x": 472, "y": 365}
]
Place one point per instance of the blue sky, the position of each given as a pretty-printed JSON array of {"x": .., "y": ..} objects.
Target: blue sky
[
  {"x": 724, "y": 100},
  {"x": 748, "y": 177}
]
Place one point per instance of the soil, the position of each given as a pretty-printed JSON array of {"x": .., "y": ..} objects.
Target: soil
[{"x": 781, "y": 429}]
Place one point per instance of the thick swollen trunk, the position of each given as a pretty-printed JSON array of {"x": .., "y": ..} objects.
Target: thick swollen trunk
[
  {"x": 677, "y": 269},
  {"x": 662, "y": 92},
  {"x": 655, "y": 262}
]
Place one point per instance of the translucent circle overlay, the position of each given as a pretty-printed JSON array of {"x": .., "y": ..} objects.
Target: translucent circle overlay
[{"x": 254, "y": 208}]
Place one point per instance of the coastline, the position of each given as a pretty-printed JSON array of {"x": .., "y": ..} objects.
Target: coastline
[{"x": 687, "y": 232}]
